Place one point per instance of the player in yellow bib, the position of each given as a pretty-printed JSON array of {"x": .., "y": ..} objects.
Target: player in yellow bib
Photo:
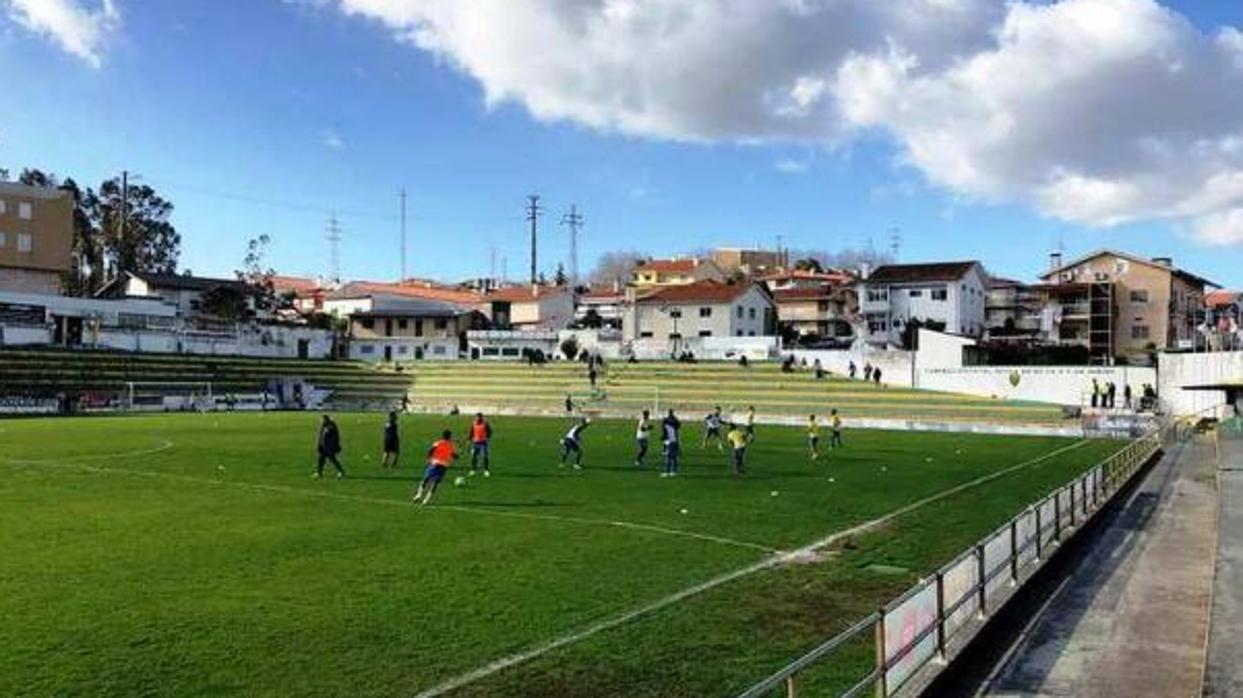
[{"x": 813, "y": 437}]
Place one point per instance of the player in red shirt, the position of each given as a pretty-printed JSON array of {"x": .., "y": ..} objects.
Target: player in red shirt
[{"x": 440, "y": 456}]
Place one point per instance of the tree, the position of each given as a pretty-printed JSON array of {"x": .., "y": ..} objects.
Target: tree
[
  {"x": 592, "y": 319},
  {"x": 616, "y": 266},
  {"x": 846, "y": 258},
  {"x": 809, "y": 264},
  {"x": 87, "y": 274},
  {"x": 138, "y": 235},
  {"x": 227, "y": 302},
  {"x": 569, "y": 348},
  {"x": 254, "y": 274},
  {"x": 559, "y": 278}
]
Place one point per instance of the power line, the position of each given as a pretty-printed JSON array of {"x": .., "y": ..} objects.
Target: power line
[
  {"x": 574, "y": 221},
  {"x": 534, "y": 211}
]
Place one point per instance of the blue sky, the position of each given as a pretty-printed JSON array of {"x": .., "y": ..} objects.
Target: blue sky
[{"x": 263, "y": 117}]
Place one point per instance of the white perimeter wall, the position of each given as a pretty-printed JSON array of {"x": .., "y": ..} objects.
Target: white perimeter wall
[
  {"x": 1178, "y": 370},
  {"x": 1062, "y": 385},
  {"x": 895, "y": 366}
]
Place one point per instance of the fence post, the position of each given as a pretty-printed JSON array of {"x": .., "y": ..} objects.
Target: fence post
[
  {"x": 1014, "y": 552},
  {"x": 941, "y": 615},
  {"x": 1039, "y": 532},
  {"x": 1057, "y": 516},
  {"x": 983, "y": 579},
  {"x": 1071, "y": 491},
  {"x": 882, "y": 690},
  {"x": 791, "y": 687}
]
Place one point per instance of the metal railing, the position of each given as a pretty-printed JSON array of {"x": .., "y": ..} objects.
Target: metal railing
[{"x": 935, "y": 619}]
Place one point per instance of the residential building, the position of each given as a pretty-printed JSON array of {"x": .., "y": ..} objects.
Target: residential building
[
  {"x": 748, "y": 261},
  {"x": 358, "y": 296},
  {"x": 815, "y": 305},
  {"x": 801, "y": 278},
  {"x": 1012, "y": 310},
  {"x": 669, "y": 272},
  {"x": 1128, "y": 306},
  {"x": 531, "y": 307},
  {"x": 946, "y": 295},
  {"x": 701, "y": 309},
  {"x": 307, "y": 294},
  {"x": 181, "y": 291},
  {"x": 1225, "y": 316},
  {"x": 607, "y": 303},
  {"x": 394, "y": 328},
  {"x": 36, "y": 238}
]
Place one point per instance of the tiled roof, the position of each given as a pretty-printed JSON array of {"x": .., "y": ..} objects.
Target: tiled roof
[
  {"x": 918, "y": 273},
  {"x": 804, "y": 294},
  {"x": 355, "y": 289},
  {"x": 669, "y": 266},
  {"x": 831, "y": 277},
  {"x": 518, "y": 294},
  {"x": 1216, "y": 298},
  {"x": 701, "y": 291},
  {"x": 297, "y": 284}
]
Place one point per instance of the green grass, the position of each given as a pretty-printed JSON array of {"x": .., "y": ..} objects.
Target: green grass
[{"x": 207, "y": 562}]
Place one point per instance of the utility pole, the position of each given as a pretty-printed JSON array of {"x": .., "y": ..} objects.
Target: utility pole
[
  {"x": 403, "y": 235},
  {"x": 333, "y": 236},
  {"x": 534, "y": 210},
  {"x": 492, "y": 267},
  {"x": 780, "y": 256},
  {"x": 895, "y": 243},
  {"x": 504, "y": 269},
  {"x": 121, "y": 261},
  {"x": 573, "y": 220}
]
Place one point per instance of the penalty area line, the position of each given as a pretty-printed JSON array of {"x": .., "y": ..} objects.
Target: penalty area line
[{"x": 587, "y": 631}]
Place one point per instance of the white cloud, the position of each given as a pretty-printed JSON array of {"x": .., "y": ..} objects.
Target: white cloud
[
  {"x": 1098, "y": 112},
  {"x": 332, "y": 139},
  {"x": 791, "y": 166},
  {"x": 81, "y": 28}
]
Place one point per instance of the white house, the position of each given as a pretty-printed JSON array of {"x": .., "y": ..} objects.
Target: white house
[
  {"x": 700, "y": 309},
  {"x": 530, "y": 307},
  {"x": 952, "y": 294},
  {"x": 393, "y": 328},
  {"x": 179, "y": 290}
]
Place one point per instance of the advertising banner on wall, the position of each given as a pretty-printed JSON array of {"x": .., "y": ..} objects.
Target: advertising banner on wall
[{"x": 903, "y": 625}]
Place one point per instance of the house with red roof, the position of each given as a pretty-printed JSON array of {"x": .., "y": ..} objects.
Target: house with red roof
[
  {"x": 680, "y": 270},
  {"x": 529, "y": 307},
  {"x": 700, "y": 309}
]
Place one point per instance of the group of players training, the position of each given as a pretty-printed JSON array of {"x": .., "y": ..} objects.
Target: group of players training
[{"x": 718, "y": 431}]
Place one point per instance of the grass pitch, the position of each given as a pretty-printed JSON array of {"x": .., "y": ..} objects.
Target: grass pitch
[{"x": 193, "y": 555}]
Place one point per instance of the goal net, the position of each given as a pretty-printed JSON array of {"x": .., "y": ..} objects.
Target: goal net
[{"x": 164, "y": 396}]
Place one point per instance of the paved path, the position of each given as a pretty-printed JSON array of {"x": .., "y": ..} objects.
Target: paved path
[
  {"x": 1224, "y": 676},
  {"x": 1133, "y": 620}
]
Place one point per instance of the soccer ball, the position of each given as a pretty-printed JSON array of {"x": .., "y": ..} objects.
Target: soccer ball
[
  {"x": 684, "y": 511},
  {"x": 459, "y": 481}
]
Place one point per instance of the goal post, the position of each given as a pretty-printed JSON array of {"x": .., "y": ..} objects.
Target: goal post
[{"x": 169, "y": 396}]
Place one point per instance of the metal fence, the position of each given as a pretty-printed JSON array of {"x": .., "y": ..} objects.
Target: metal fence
[{"x": 934, "y": 620}]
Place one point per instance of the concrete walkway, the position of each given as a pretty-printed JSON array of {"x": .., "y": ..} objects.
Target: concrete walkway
[
  {"x": 1224, "y": 676},
  {"x": 1133, "y": 619}
]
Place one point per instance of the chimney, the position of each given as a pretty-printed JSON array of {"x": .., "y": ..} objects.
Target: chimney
[
  {"x": 616, "y": 285},
  {"x": 1055, "y": 261},
  {"x": 535, "y": 290},
  {"x": 1167, "y": 262},
  {"x": 865, "y": 270}
]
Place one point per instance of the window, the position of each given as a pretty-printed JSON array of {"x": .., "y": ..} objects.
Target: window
[
  {"x": 878, "y": 294},
  {"x": 438, "y": 350},
  {"x": 368, "y": 323},
  {"x": 705, "y": 312},
  {"x": 675, "y": 335},
  {"x": 751, "y": 313},
  {"x": 645, "y": 335},
  {"x": 403, "y": 324},
  {"x": 675, "y": 312},
  {"x": 366, "y": 349},
  {"x": 1139, "y": 332},
  {"x": 510, "y": 351},
  {"x": 418, "y": 328},
  {"x": 4, "y": 239},
  {"x": 916, "y": 293},
  {"x": 705, "y": 333},
  {"x": 1138, "y": 296},
  {"x": 403, "y": 349},
  {"x": 441, "y": 323},
  {"x": 751, "y": 334},
  {"x": 24, "y": 242},
  {"x": 24, "y": 211},
  {"x": 4, "y": 207},
  {"x": 491, "y": 351},
  {"x": 740, "y": 314},
  {"x": 739, "y": 333},
  {"x": 940, "y": 294}
]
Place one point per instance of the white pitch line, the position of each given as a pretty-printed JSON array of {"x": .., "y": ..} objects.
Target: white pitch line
[
  {"x": 123, "y": 454},
  {"x": 767, "y": 563},
  {"x": 285, "y": 489}
]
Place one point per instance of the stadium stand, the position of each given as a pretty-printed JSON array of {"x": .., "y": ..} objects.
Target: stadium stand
[
  {"x": 695, "y": 388},
  {"x": 48, "y": 372}
]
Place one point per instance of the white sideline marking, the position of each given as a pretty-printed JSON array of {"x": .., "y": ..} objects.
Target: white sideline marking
[
  {"x": 767, "y": 563},
  {"x": 123, "y": 454},
  {"x": 285, "y": 489}
]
